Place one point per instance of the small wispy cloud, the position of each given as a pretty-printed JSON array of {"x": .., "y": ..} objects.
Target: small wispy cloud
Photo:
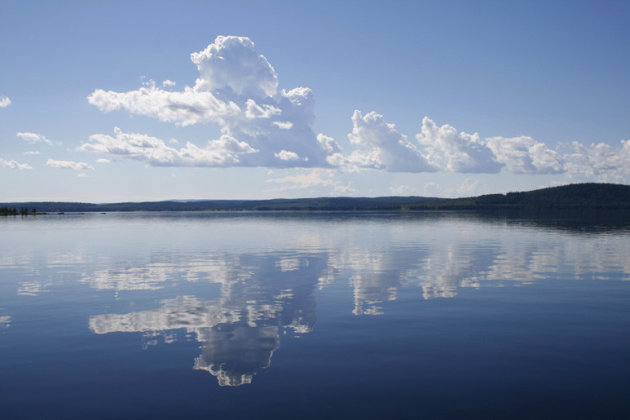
[
  {"x": 312, "y": 178},
  {"x": 404, "y": 190},
  {"x": 286, "y": 155},
  {"x": 33, "y": 138},
  {"x": 68, "y": 164},
  {"x": 4, "y": 101},
  {"x": 12, "y": 164},
  {"x": 468, "y": 187}
]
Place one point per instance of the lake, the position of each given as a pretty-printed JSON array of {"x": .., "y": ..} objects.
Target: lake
[{"x": 280, "y": 315}]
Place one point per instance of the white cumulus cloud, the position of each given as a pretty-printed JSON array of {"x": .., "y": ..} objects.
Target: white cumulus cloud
[
  {"x": 284, "y": 125},
  {"x": 600, "y": 161},
  {"x": 237, "y": 89},
  {"x": 68, "y": 164},
  {"x": 442, "y": 148},
  {"x": 231, "y": 62},
  {"x": 12, "y": 164},
  {"x": 225, "y": 151},
  {"x": 524, "y": 155},
  {"x": 33, "y": 138},
  {"x": 453, "y": 151},
  {"x": 286, "y": 155},
  {"x": 4, "y": 101},
  {"x": 328, "y": 143},
  {"x": 381, "y": 146},
  {"x": 263, "y": 125},
  {"x": 182, "y": 108}
]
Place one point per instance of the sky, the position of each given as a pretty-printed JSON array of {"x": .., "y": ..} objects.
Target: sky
[{"x": 153, "y": 100}]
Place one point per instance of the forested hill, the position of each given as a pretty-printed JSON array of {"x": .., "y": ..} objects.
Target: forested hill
[
  {"x": 313, "y": 204},
  {"x": 591, "y": 196},
  {"x": 571, "y": 197}
]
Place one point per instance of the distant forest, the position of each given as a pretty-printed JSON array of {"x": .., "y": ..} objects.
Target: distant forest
[
  {"x": 13, "y": 211},
  {"x": 577, "y": 197}
]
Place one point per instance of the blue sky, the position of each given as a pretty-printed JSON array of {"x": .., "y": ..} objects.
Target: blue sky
[{"x": 299, "y": 99}]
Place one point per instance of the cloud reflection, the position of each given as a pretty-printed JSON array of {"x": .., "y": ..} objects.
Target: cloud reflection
[
  {"x": 5, "y": 321},
  {"x": 241, "y": 329},
  {"x": 157, "y": 275},
  {"x": 268, "y": 291}
]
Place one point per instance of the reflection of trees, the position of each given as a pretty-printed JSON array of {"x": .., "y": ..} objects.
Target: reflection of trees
[{"x": 239, "y": 331}]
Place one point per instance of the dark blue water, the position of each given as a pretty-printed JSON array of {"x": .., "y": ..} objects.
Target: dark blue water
[{"x": 202, "y": 315}]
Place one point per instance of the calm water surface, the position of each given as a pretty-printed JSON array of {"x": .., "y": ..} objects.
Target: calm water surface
[{"x": 287, "y": 316}]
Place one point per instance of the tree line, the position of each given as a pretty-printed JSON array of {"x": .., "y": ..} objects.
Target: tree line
[{"x": 12, "y": 211}]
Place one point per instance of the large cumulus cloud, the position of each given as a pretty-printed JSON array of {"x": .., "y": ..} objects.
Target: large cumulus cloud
[
  {"x": 454, "y": 151},
  {"x": 524, "y": 155},
  {"x": 232, "y": 63},
  {"x": 599, "y": 161},
  {"x": 381, "y": 146},
  {"x": 237, "y": 89},
  {"x": 263, "y": 125}
]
